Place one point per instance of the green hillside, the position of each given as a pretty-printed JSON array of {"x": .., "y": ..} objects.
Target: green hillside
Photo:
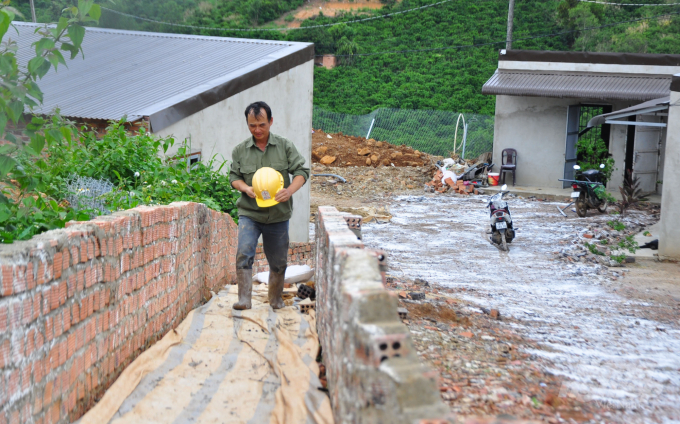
[
  {"x": 451, "y": 79},
  {"x": 234, "y": 13},
  {"x": 443, "y": 72}
]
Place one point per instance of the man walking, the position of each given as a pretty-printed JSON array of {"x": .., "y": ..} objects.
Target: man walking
[{"x": 264, "y": 149}]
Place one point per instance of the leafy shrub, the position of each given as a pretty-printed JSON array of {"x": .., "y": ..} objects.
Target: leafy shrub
[
  {"x": 618, "y": 258},
  {"x": 629, "y": 244},
  {"x": 33, "y": 215},
  {"x": 82, "y": 176},
  {"x": 617, "y": 225},
  {"x": 25, "y": 210},
  {"x": 593, "y": 249},
  {"x": 133, "y": 164}
]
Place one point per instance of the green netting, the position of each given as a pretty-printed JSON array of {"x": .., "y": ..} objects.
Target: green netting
[{"x": 430, "y": 131}]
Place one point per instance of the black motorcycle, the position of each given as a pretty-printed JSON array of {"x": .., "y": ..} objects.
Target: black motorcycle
[
  {"x": 502, "y": 231},
  {"x": 589, "y": 192}
]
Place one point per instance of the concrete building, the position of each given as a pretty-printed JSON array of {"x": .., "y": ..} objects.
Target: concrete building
[
  {"x": 544, "y": 101},
  {"x": 547, "y": 100},
  {"x": 189, "y": 87}
]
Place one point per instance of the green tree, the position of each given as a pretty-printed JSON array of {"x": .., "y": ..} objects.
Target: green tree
[
  {"x": 20, "y": 93},
  {"x": 583, "y": 17}
]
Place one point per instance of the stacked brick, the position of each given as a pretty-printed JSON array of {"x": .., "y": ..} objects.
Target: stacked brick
[
  {"x": 374, "y": 374},
  {"x": 440, "y": 184},
  {"x": 461, "y": 188},
  {"x": 299, "y": 253},
  {"x": 81, "y": 303}
]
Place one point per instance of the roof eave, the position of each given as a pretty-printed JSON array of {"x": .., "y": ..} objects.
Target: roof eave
[{"x": 173, "y": 110}]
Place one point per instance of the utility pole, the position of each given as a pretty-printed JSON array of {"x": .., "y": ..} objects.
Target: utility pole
[
  {"x": 511, "y": 14},
  {"x": 33, "y": 11}
]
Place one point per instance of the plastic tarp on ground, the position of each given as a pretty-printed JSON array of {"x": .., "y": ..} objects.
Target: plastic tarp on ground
[{"x": 224, "y": 366}]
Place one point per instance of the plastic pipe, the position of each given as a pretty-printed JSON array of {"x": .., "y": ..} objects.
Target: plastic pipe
[{"x": 330, "y": 175}]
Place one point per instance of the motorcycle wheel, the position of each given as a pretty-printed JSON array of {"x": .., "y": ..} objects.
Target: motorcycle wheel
[
  {"x": 581, "y": 206},
  {"x": 505, "y": 243},
  {"x": 603, "y": 206},
  {"x": 509, "y": 235}
]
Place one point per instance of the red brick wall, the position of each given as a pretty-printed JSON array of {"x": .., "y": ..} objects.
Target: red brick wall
[{"x": 79, "y": 304}]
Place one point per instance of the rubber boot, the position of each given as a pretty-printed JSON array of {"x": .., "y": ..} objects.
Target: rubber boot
[
  {"x": 276, "y": 289},
  {"x": 245, "y": 289}
]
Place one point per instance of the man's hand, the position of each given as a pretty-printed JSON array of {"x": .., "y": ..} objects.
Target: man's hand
[
  {"x": 250, "y": 192},
  {"x": 241, "y": 186},
  {"x": 283, "y": 195}
]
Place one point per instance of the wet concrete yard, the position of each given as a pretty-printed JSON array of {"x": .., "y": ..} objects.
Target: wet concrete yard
[{"x": 613, "y": 348}]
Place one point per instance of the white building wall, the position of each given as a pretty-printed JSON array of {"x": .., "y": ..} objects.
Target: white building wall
[
  {"x": 536, "y": 128},
  {"x": 669, "y": 230},
  {"x": 217, "y": 129}
]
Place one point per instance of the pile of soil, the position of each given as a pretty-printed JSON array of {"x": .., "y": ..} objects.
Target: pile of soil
[{"x": 339, "y": 150}]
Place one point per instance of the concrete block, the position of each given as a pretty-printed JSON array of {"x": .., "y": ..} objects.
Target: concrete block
[{"x": 374, "y": 374}]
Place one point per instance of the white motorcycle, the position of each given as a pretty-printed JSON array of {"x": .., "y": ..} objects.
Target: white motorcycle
[{"x": 502, "y": 231}]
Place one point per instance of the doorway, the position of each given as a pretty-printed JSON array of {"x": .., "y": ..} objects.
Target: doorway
[{"x": 578, "y": 117}]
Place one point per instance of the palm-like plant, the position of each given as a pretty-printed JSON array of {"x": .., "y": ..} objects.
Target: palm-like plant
[{"x": 630, "y": 192}]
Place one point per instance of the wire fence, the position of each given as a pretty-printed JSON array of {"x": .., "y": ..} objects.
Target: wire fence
[{"x": 430, "y": 131}]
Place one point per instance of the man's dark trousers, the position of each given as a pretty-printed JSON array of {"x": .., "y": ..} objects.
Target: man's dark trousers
[{"x": 274, "y": 242}]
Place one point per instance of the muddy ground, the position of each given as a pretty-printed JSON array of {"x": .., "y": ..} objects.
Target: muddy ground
[{"x": 576, "y": 341}]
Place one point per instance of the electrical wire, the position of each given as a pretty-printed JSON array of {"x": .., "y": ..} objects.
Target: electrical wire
[
  {"x": 504, "y": 41},
  {"x": 629, "y": 4},
  {"x": 275, "y": 29}
]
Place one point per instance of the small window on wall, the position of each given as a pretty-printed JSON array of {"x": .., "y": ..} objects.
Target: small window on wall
[{"x": 193, "y": 158}]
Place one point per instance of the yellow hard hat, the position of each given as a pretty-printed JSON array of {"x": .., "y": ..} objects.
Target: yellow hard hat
[{"x": 266, "y": 183}]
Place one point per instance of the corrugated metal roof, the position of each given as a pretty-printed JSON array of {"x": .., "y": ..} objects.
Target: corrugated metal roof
[
  {"x": 651, "y": 105},
  {"x": 141, "y": 73},
  {"x": 577, "y": 85}
]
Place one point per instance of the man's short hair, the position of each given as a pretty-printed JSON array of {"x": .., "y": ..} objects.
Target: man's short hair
[{"x": 257, "y": 107}]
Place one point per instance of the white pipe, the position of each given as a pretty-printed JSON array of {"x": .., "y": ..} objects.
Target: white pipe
[
  {"x": 370, "y": 128},
  {"x": 455, "y": 136}
]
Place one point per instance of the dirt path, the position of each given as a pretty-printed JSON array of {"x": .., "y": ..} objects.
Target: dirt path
[{"x": 615, "y": 342}]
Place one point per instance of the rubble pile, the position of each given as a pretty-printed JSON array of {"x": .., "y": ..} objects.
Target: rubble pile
[
  {"x": 341, "y": 150},
  {"x": 442, "y": 183},
  {"x": 483, "y": 363},
  {"x": 598, "y": 241}
]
